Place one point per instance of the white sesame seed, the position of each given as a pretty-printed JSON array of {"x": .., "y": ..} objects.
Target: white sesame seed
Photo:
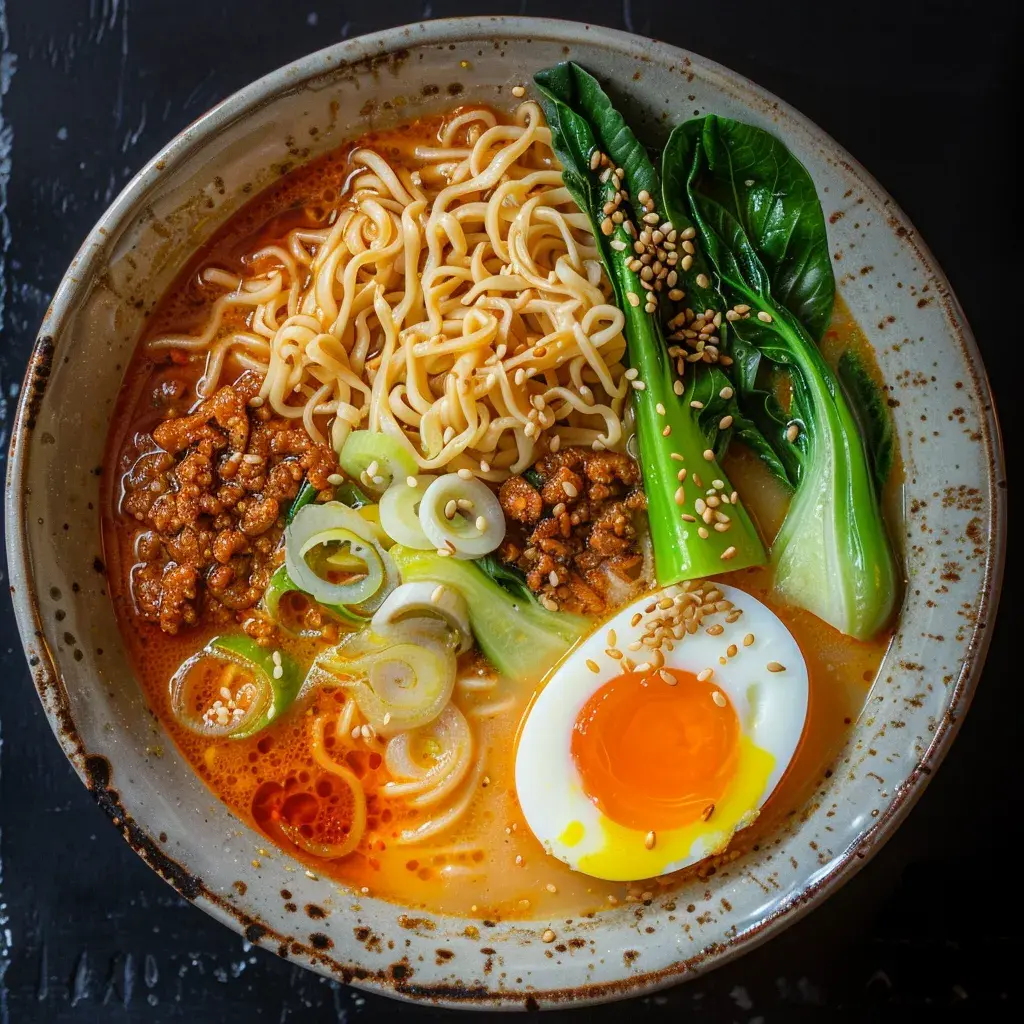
[
  {"x": 719, "y": 698},
  {"x": 709, "y": 455},
  {"x": 634, "y": 299},
  {"x": 639, "y": 385},
  {"x": 695, "y": 404},
  {"x": 465, "y": 474},
  {"x": 764, "y": 317},
  {"x": 728, "y": 553},
  {"x": 774, "y": 666},
  {"x": 705, "y": 674},
  {"x": 650, "y": 839}
]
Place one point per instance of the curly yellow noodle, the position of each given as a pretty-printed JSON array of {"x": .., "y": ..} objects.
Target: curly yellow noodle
[{"x": 454, "y": 300}]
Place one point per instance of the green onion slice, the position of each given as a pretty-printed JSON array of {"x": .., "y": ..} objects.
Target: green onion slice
[
  {"x": 462, "y": 516},
  {"x": 234, "y": 687},
  {"x": 375, "y": 460},
  {"x": 332, "y": 554},
  {"x": 400, "y": 511}
]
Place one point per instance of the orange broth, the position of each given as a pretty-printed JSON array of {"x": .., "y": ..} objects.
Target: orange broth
[{"x": 488, "y": 865}]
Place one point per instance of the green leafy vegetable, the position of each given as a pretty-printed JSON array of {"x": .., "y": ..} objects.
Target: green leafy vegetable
[
  {"x": 521, "y": 639},
  {"x": 507, "y": 576},
  {"x": 672, "y": 435},
  {"x": 872, "y": 412},
  {"x": 307, "y": 493},
  {"x": 751, "y": 205}
]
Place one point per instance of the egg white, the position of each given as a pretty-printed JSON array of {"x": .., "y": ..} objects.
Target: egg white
[{"x": 771, "y": 708}]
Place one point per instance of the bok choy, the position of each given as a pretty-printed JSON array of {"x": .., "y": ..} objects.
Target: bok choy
[
  {"x": 610, "y": 176},
  {"x": 760, "y": 227}
]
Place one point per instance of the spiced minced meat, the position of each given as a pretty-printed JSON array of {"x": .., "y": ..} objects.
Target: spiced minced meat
[
  {"x": 211, "y": 487},
  {"x": 575, "y": 527}
]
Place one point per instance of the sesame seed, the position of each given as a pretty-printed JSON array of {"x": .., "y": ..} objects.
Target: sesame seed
[
  {"x": 650, "y": 218},
  {"x": 552, "y": 606},
  {"x": 438, "y": 593},
  {"x": 611, "y": 639},
  {"x": 593, "y": 666},
  {"x": 551, "y": 888},
  {"x": 412, "y": 481},
  {"x": 555, "y": 443},
  {"x": 517, "y": 91},
  {"x": 617, "y": 244},
  {"x": 443, "y": 552},
  {"x": 709, "y": 455},
  {"x": 728, "y": 553},
  {"x": 680, "y": 495},
  {"x": 748, "y": 639},
  {"x": 705, "y": 674},
  {"x": 481, "y": 523},
  {"x": 485, "y": 467},
  {"x": 765, "y": 318},
  {"x": 650, "y": 839},
  {"x": 635, "y": 621},
  {"x": 595, "y": 160},
  {"x": 676, "y": 456},
  {"x": 659, "y": 409},
  {"x": 666, "y": 431},
  {"x": 632, "y": 373},
  {"x": 614, "y": 654},
  {"x": 570, "y": 489},
  {"x": 721, "y": 527},
  {"x": 681, "y": 475},
  {"x": 687, "y": 518},
  {"x": 725, "y": 423},
  {"x": 634, "y": 299},
  {"x": 607, "y": 227},
  {"x": 774, "y": 666},
  {"x": 719, "y": 698},
  {"x": 676, "y": 294},
  {"x": 715, "y": 630},
  {"x": 702, "y": 281},
  {"x": 549, "y": 935},
  {"x": 732, "y": 650},
  {"x": 702, "y": 533},
  {"x": 677, "y": 387},
  {"x": 742, "y": 309},
  {"x": 792, "y": 432},
  {"x": 465, "y": 474},
  {"x": 450, "y": 509},
  {"x": 686, "y": 262},
  {"x": 707, "y": 812},
  {"x": 639, "y": 385}
]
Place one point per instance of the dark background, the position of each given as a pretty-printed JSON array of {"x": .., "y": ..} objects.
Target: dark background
[{"x": 925, "y": 94}]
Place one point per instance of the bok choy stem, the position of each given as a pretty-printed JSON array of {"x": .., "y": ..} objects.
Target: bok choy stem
[{"x": 676, "y": 455}]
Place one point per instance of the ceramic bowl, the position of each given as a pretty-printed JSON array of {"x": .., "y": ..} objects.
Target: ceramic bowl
[{"x": 954, "y": 530}]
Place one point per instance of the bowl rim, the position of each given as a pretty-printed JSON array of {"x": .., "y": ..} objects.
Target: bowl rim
[{"x": 75, "y": 285}]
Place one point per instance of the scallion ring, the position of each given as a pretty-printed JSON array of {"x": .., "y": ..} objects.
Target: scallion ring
[
  {"x": 399, "y": 511},
  {"x": 462, "y": 516}
]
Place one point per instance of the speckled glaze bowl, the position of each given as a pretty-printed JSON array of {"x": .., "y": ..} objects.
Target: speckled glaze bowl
[{"x": 955, "y": 524}]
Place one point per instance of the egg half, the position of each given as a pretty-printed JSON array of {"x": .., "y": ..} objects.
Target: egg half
[{"x": 649, "y": 747}]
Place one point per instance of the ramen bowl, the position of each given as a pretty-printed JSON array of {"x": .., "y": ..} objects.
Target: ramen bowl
[{"x": 953, "y": 529}]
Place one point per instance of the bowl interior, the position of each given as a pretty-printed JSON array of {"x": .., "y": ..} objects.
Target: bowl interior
[{"x": 953, "y": 527}]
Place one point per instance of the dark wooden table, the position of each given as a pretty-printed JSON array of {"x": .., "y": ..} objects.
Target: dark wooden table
[{"x": 925, "y": 94}]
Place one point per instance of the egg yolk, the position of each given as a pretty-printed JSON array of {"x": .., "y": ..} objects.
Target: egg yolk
[{"x": 656, "y": 756}]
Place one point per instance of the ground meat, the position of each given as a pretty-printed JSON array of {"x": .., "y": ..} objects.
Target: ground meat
[
  {"x": 577, "y": 528},
  {"x": 208, "y": 490},
  {"x": 520, "y": 500}
]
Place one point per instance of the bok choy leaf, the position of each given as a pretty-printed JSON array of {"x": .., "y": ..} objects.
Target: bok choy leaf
[{"x": 760, "y": 227}]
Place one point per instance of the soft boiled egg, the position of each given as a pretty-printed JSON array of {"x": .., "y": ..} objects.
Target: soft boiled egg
[{"x": 651, "y": 744}]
